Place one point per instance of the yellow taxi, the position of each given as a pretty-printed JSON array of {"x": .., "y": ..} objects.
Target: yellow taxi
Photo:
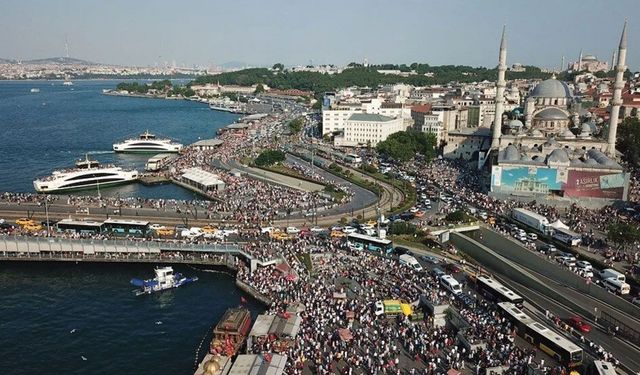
[
  {"x": 209, "y": 229},
  {"x": 371, "y": 223},
  {"x": 32, "y": 227},
  {"x": 164, "y": 231},
  {"x": 24, "y": 221},
  {"x": 337, "y": 234}
]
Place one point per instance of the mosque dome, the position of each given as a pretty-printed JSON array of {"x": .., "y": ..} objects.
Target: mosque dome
[
  {"x": 551, "y": 142},
  {"x": 511, "y": 153},
  {"x": 568, "y": 134},
  {"x": 515, "y": 124},
  {"x": 558, "y": 156},
  {"x": 537, "y": 133},
  {"x": 551, "y": 88},
  {"x": 551, "y": 113},
  {"x": 586, "y": 129}
]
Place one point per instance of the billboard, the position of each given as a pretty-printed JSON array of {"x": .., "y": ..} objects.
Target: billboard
[
  {"x": 525, "y": 180},
  {"x": 595, "y": 184}
]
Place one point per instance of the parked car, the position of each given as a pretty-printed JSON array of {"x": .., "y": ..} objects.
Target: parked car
[
  {"x": 548, "y": 249},
  {"x": 452, "y": 268},
  {"x": 566, "y": 260},
  {"x": 437, "y": 272},
  {"x": 532, "y": 236},
  {"x": 577, "y": 323},
  {"x": 293, "y": 230},
  {"x": 316, "y": 229},
  {"x": 400, "y": 250},
  {"x": 349, "y": 229}
]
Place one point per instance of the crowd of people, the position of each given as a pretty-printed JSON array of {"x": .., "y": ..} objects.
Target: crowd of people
[{"x": 378, "y": 345}]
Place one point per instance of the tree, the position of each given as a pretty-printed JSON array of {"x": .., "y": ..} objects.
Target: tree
[
  {"x": 404, "y": 145},
  {"x": 259, "y": 89},
  {"x": 269, "y": 157},
  {"x": 278, "y": 66},
  {"x": 623, "y": 234},
  {"x": 296, "y": 125},
  {"x": 628, "y": 141}
]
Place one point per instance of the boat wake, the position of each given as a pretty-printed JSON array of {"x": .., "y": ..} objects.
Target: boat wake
[{"x": 99, "y": 152}]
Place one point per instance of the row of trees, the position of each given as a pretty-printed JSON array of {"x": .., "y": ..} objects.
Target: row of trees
[
  {"x": 628, "y": 141},
  {"x": 404, "y": 145},
  {"x": 358, "y": 75},
  {"x": 296, "y": 125},
  {"x": 162, "y": 86}
]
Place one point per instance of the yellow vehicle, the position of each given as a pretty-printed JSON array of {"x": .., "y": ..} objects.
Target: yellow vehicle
[
  {"x": 32, "y": 227},
  {"x": 371, "y": 223},
  {"x": 164, "y": 232},
  {"x": 209, "y": 229},
  {"x": 393, "y": 307},
  {"x": 280, "y": 236},
  {"x": 337, "y": 234},
  {"x": 24, "y": 221}
]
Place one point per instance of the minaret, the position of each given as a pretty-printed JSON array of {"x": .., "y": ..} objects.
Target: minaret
[
  {"x": 562, "y": 65},
  {"x": 613, "y": 60},
  {"x": 500, "y": 85},
  {"x": 580, "y": 62},
  {"x": 617, "y": 91}
]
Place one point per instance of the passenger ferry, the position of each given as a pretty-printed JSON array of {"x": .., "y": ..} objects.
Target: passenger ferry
[
  {"x": 165, "y": 279},
  {"x": 88, "y": 174},
  {"x": 147, "y": 142}
]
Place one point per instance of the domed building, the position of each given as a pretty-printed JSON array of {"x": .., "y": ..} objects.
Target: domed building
[
  {"x": 548, "y": 107},
  {"x": 553, "y": 155}
]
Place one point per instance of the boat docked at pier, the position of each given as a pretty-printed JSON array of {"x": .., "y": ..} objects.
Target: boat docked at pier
[
  {"x": 87, "y": 174},
  {"x": 147, "y": 142},
  {"x": 165, "y": 279},
  {"x": 231, "y": 332}
]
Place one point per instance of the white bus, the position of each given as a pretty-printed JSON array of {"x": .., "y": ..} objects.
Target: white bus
[
  {"x": 567, "y": 237},
  {"x": 450, "y": 284},
  {"x": 616, "y": 286},
  {"x": 493, "y": 290},
  {"x": 353, "y": 159},
  {"x": 536, "y": 333},
  {"x": 609, "y": 273},
  {"x": 601, "y": 368}
]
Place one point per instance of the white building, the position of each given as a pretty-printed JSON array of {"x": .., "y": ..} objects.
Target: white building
[
  {"x": 367, "y": 129},
  {"x": 335, "y": 117}
]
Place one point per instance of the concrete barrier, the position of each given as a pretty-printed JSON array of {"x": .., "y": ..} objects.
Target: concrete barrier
[{"x": 513, "y": 251}]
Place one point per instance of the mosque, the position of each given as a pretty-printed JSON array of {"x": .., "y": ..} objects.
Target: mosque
[{"x": 552, "y": 148}]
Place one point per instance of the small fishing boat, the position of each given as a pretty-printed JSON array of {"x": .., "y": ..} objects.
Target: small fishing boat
[{"x": 165, "y": 279}]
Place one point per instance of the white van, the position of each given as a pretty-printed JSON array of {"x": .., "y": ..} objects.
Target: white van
[
  {"x": 411, "y": 262},
  {"x": 450, "y": 284},
  {"x": 609, "y": 273},
  {"x": 616, "y": 286}
]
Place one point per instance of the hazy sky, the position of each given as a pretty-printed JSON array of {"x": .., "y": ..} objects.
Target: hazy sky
[{"x": 262, "y": 32}]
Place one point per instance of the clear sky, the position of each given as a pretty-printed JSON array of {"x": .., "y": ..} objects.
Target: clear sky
[{"x": 262, "y": 32}]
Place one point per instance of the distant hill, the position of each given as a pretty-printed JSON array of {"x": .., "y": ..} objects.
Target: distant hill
[
  {"x": 50, "y": 60},
  {"x": 234, "y": 65},
  {"x": 59, "y": 60}
]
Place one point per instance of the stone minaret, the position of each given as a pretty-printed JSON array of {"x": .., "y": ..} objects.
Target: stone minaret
[
  {"x": 562, "y": 65},
  {"x": 613, "y": 60},
  {"x": 617, "y": 91},
  {"x": 500, "y": 86},
  {"x": 580, "y": 62}
]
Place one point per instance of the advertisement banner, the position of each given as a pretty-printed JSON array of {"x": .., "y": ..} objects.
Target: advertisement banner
[
  {"x": 595, "y": 184},
  {"x": 525, "y": 180}
]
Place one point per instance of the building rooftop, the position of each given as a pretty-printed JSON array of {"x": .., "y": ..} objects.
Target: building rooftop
[
  {"x": 208, "y": 142},
  {"x": 370, "y": 117}
]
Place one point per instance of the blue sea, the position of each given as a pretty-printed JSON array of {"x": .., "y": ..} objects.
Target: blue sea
[
  {"x": 51, "y": 129},
  {"x": 67, "y": 318}
]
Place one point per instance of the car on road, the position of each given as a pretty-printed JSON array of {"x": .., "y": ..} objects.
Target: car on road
[
  {"x": 566, "y": 260},
  {"x": 452, "y": 268},
  {"x": 24, "y": 221},
  {"x": 316, "y": 229},
  {"x": 266, "y": 229},
  {"x": 349, "y": 229},
  {"x": 293, "y": 230},
  {"x": 577, "y": 323},
  {"x": 400, "y": 250},
  {"x": 430, "y": 259},
  {"x": 583, "y": 264},
  {"x": 532, "y": 236},
  {"x": 583, "y": 272},
  {"x": 547, "y": 249},
  {"x": 437, "y": 272},
  {"x": 155, "y": 226}
]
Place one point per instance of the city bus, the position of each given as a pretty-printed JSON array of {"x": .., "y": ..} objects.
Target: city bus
[
  {"x": 494, "y": 291},
  {"x": 353, "y": 159},
  {"x": 536, "y": 333},
  {"x": 79, "y": 226},
  {"x": 364, "y": 242},
  {"x": 126, "y": 227},
  {"x": 601, "y": 368}
]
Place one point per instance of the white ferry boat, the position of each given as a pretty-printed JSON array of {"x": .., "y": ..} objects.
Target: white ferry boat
[
  {"x": 165, "y": 279},
  {"x": 35, "y": 90},
  {"x": 147, "y": 142},
  {"x": 88, "y": 174}
]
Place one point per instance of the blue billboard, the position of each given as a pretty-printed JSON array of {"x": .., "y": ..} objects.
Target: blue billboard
[{"x": 525, "y": 180}]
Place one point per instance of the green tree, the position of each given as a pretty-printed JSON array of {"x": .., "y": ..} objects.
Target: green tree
[
  {"x": 404, "y": 145},
  {"x": 628, "y": 141},
  {"x": 623, "y": 234},
  {"x": 296, "y": 125},
  {"x": 259, "y": 89},
  {"x": 278, "y": 66},
  {"x": 269, "y": 157}
]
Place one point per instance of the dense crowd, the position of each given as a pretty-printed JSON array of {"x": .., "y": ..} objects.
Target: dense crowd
[{"x": 379, "y": 345}]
